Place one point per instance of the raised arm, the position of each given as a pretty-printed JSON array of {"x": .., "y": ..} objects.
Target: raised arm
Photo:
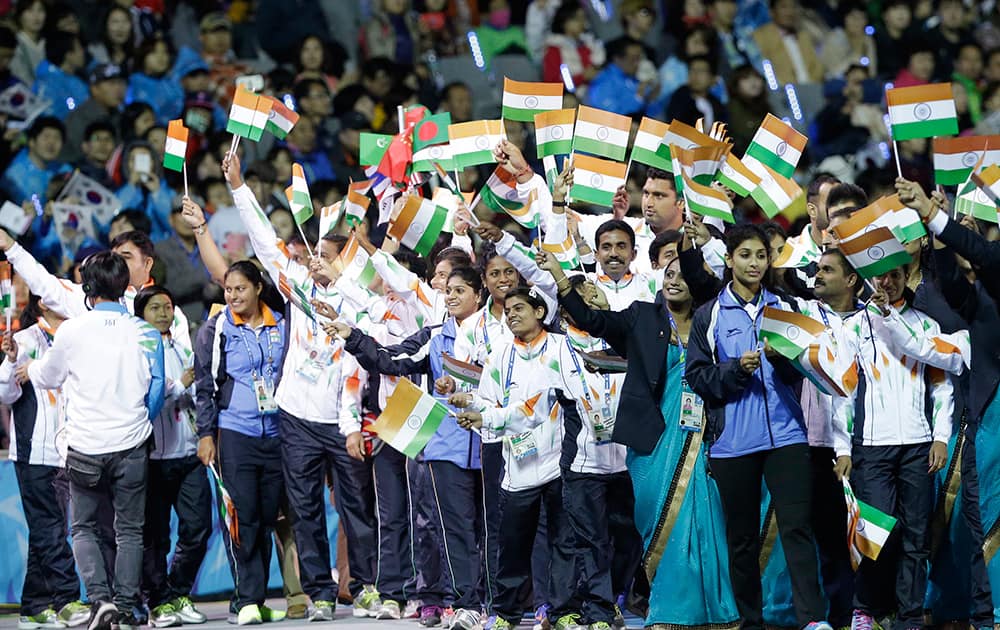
[
  {"x": 62, "y": 296},
  {"x": 209, "y": 251}
]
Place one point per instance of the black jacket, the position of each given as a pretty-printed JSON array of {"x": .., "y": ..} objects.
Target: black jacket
[{"x": 640, "y": 333}]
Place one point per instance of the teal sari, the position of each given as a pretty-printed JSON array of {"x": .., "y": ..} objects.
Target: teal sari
[
  {"x": 679, "y": 515},
  {"x": 988, "y": 467}
]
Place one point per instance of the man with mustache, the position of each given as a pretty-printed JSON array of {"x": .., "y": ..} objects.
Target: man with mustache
[{"x": 615, "y": 253}]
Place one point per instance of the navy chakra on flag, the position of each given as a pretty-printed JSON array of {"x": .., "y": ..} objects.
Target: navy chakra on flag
[
  {"x": 413, "y": 422},
  {"x": 921, "y": 111}
]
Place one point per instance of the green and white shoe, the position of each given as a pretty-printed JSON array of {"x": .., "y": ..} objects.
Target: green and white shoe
[
  {"x": 269, "y": 615},
  {"x": 321, "y": 611},
  {"x": 45, "y": 619},
  {"x": 74, "y": 614},
  {"x": 367, "y": 603},
  {"x": 187, "y": 612},
  {"x": 164, "y": 616},
  {"x": 249, "y": 615},
  {"x": 568, "y": 622}
]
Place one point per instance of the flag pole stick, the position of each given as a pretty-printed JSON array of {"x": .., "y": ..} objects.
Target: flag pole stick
[
  {"x": 184, "y": 169},
  {"x": 304, "y": 239},
  {"x": 13, "y": 301},
  {"x": 895, "y": 151},
  {"x": 569, "y": 197}
]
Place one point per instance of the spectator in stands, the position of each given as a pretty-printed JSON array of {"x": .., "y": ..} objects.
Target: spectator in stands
[
  {"x": 732, "y": 50},
  {"x": 262, "y": 180},
  {"x": 537, "y": 23},
  {"x": 217, "y": 51},
  {"x": 186, "y": 273},
  {"x": 637, "y": 20},
  {"x": 281, "y": 159},
  {"x": 29, "y": 19},
  {"x": 436, "y": 30},
  {"x": 914, "y": 163},
  {"x": 617, "y": 88},
  {"x": 991, "y": 70},
  {"x": 961, "y": 98},
  {"x": 673, "y": 74},
  {"x": 845, "y": 124},
  {"x": 320, "y": 60},
  {"x": 919, "y": 68},
  {"x": 456, "y": 99},
  {"x": 296, "y": 19},
  {"x": 155, "y": 81},
  {"x": 892, "y": 38},
  {"x": 392, "y": 32},
  {"x": 497, "y": 36},
  {"x": 571, "y": 43},
  {"x": 790, "y": 48},
  {"x": 313, "y": 101},
  {"x": 37, "y": 163},
  {"x": 948, "y": 37},
  {"x": 8, "y": 45},
  {"x": 107, "y": 92},
  {"x": 306, "y": 151},
  {"x": 968, "y": 71},
  {"x": 850, "y": 44},
  {"x": 747, "y": 106},
  {"x": 345, "y": 158},
  {"x": 693, "y": 101},
  {"x": 225, "y": 225},
  {"x": 56, "y": 76},
  {"x": 98, "y": 145},
  {"x": 129, "y": 220},
  {"x": 117, "y": 38},
  {"x": 146, "y": 189}
]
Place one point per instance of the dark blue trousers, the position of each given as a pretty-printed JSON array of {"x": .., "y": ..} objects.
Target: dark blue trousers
[
  {"x": 180, "y": 484},
  {"x": 600, "y": 511},
  {"x": 520, "y": 517},
  {"x": 458, "y": 500},
  {"x": 982, "y": 598},
  {"x": 894, "y": 479},
  {"x": 395, "y": 553},
  {"x": 50, "y": 579},
  {"x": 311, "y": 450},
  {"x": 251, "y": 472},
  {"x": 829, "y": 523}
]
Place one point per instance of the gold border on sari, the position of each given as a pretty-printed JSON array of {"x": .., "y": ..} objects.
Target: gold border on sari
[
  {"x": 672, "y": 505},
  {"x": 950, "y": 489},
  {"x": 991, "y": 542},
  {"x": 768, "y": 536}
]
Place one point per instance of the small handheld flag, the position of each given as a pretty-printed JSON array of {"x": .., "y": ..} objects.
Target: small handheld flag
[
  {"x": 523, "y": 101},
  {"x": 410, "y": 418},
  {"x": 6, "y": 291},
  {"x": 922, "y": 111},
  {"x": 787, "y": 332},
  {"x": 227, "y": 508},
  {"x": 281, "y": 118}
]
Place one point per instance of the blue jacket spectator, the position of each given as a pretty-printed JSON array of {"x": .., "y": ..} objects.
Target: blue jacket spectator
[
  {"x": 34, "y": 166},
  {"x": 155, "y": 82},
  {"x": 55, "y": 76},
  {"x": 145, "y": 189},
  {"x": 617, "y": 89}
]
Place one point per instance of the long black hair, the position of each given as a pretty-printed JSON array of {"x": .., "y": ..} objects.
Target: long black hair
[
  {"x": 269, "y": 294},
  {"x": 143, "y": 297}
]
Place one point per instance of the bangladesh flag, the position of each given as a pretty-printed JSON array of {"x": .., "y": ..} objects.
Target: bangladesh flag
[{"x": 431, "y": 130}]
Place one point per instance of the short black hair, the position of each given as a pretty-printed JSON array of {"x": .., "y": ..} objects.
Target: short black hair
[
  {"x": 743, "y": 232},
  {"x": 772, "y": 229},
  {"x": 105, "y": 275},
  {"x": 564, "y": 13},
  {"x": 46, "y": 122},
  {"x": 844, "y": 263},
  {"x": 57, "y": 48},
  {"x": 823, "y": 178},
  {"x": 139, "y": 239},
  {"x": 656, "y": 173},
  {"x": 412, "y": 261},
  {"x": 138, "y": 219},
  {"x": 454, "y": 85},
  {"x": 661, "y": 240},
  {"x": 920, "y": 45},
  {"x": 618, "y": 47},
  {"x": 706, "y": 58},
  {"x": 98, "y": 125},
  {"x": 469, "y": 276},
  {"x": 143, "y": 297},
  {"x": 847, "y": 192},
  {"x": 303, "y": 86},
  {"x": 845, "y": 213},
  {"x": 377, "y": 64},
  {"x": 611, "y": 226}
]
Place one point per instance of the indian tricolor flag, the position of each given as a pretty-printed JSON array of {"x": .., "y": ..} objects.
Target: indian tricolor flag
[
  {"x": 6, "y": 286},
  {"x": 176, "y": 148},
  {"x": 868, "y": 528},
  {"x": 922, "y": 111},
  {"x": 299, "y": 200},
  {"x": 648, "y": 147},
  {"x": 241, "y": 114},
  {"x": 778, "y": 145},
  {"x": 595, "y": 180},
  {"x": 906, "y": 223},
  {"x": 988, "y": 180},
  {"x": 463, "y": 371},
  {"x": 601, "y": 133},
  {"x": 972, "y": 200},
  {"x": 954, "y": 158},
  {"x": 737, "y": 177},
  {"x": 328, "y": 217},
  {"x": 554, "y": 132},
  {"x": 295, "y": 295},
  {"x": 789, "y": 333},
  {"x": 685, "y": 136},
  {"x": 418, "y": 224},
  {"x": 875, "y": 252},
  {"x": 354, "y": 264},
  {"x": 776, "y": 193},
  {"x": 700, "y": 163},
  {"x": 280, "y": 119},
  {"x": 523, "y": 101},
  {"x": 410, "y": 418},
  {"x": 565, "y": 252},
  {"x": 472, "y": 143},
  {"x": 500, "y": 192},
  {"x": 528, "y": 215},
  {"x": 707, "y": 201},
  {"x": 425, "y": 158},
  {"x": 356, "y": 204},
  {"x": 869, "y": 218}
]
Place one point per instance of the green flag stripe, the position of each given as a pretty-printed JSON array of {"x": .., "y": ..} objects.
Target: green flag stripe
[
  {"x": 173, "y": 162},
  {"x": 650, "y": 158},
  {"x": 770, "y": 159},
  {"x": 521, "y": 115},
  {"x": 926, "y": 129},
  {"x": 780, "y": 344},
  {"x": 592, "y": 195},
  {"x": 555, "y": 147},
  {"x": 951, "y": 178},
  {"x": 884, "y": 265},
  {"x": 433, "y": 231},
  {"x": 606, "y": 149},
  {"x": 427, "y": 430}
]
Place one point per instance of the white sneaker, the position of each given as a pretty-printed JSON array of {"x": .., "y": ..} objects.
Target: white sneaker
[
  {"x": 367, "y": 603},
  {"x": 46, "y": 619},
  {"x": 389, "y": 610},
  {"x": 412, "y": 610},
  {"x": 466, "y": 619}
]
